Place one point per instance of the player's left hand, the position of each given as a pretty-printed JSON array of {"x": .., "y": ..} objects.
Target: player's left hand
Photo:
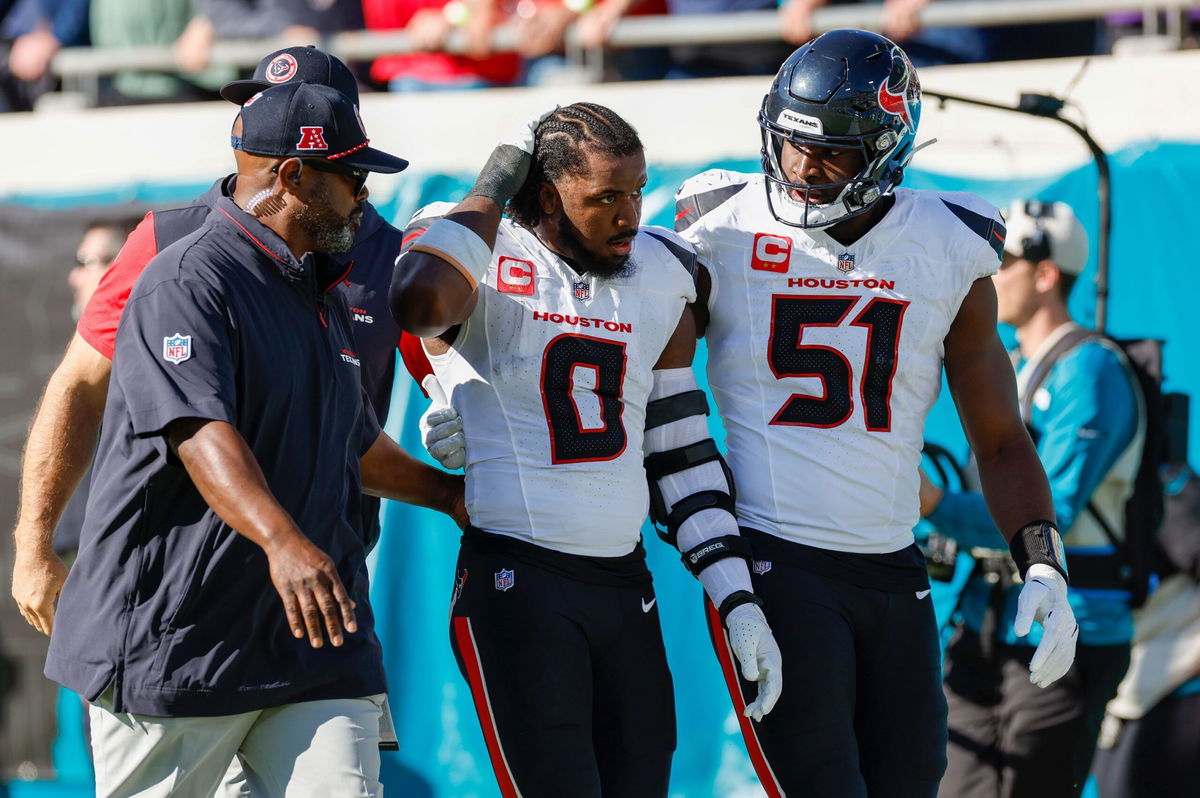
[
  {"x": 758, "y": 654},
  {"x": 441, "y": 427},
  {"x": 1044, "y": 599}
]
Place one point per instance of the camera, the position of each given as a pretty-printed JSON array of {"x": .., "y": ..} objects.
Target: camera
[{"x": 941, "y": 556}]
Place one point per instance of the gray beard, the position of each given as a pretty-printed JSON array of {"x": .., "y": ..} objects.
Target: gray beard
[{"x": 330, "y": 232}]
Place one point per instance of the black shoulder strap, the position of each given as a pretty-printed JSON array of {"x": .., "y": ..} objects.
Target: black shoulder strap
[
  {"x": 1105, "y": 527},
  {"x": 1041, "y": 369}
]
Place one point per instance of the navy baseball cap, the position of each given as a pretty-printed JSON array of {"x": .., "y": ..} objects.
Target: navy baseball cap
[
  {"x": 304, "y": 120},
  {"x": 307, "y": 64}
]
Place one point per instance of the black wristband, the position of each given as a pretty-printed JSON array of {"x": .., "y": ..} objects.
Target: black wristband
[
  {"x": 1038, "y": 542},
  {"x": 736, "y": 599}
]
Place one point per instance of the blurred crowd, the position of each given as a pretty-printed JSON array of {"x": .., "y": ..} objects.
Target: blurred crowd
[{"x": 33, "y": 31}]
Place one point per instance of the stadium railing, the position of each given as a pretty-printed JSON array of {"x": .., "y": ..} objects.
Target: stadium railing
[{"x": 80, "y": 68}]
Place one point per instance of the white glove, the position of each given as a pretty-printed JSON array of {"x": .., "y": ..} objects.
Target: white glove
[
  {"x": 441, "y": 427},
  {"x": 758, "y": 654},
  {"x": 1044, "y": 599}
]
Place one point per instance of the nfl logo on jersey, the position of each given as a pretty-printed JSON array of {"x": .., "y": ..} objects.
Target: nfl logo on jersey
[
  {"x": 582, "y": 290},
  {"x": 177, "y": 348},
  {"x": 845, "y": 262},
  {"x": 505, "y": 578},
  {"x": 762, "y": 566}
]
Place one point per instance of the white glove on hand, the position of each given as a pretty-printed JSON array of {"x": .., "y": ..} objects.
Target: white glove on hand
[
  {"x": 1044, "y": 599},
  {"x": 758, "y": 654},
  {"x": 441, "y": 427}
]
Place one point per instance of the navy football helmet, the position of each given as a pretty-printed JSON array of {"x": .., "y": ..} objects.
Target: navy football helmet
[{"x": 846, "y": 89}]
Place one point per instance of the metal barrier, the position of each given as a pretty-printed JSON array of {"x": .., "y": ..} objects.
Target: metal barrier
[{"x": 81, "y": 67}]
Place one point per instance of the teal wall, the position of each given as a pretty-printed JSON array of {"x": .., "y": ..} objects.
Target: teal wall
[{"x": 1154, "y": 248}]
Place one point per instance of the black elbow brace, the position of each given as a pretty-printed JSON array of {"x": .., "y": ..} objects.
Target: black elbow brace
[
  {"x": 714, "y": 549},
  {"x": 662, "y": 464}
]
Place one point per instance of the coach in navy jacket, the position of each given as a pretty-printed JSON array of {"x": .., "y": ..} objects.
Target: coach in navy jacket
[
  {"x": 65, "y": 427},
  {"x": 221, "y": 572}
]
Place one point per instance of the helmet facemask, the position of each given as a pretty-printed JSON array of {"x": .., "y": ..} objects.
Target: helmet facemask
[{"x": 883, "y": 169}]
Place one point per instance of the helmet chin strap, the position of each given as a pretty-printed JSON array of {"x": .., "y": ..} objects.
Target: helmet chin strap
[{"x": 850, "y": 202}]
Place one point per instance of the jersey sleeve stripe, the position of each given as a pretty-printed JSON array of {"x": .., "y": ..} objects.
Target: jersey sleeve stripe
[
  {"x": 682, "y": 254},
  {"x": 688, "y": 210},
  {"x": 987, "y": 228},
  {"x": 414, "y": 230}
]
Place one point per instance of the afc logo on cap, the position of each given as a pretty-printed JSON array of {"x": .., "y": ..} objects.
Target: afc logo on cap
[
  {"x": 312, "y": 137},
  {"x": 514, "y": 276},
  {"x": 771, "y": 253}
]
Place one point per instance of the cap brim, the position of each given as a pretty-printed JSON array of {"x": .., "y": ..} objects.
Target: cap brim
[
  {"x": 373, "y": 160},
  {"x": 239, "y": 91}
]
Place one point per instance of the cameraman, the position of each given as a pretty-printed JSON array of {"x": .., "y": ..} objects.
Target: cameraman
[{"x": 1008, "y": 737}]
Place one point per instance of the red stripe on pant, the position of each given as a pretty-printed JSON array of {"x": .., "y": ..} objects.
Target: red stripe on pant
[
  {"x": 483, "y": 707},
  {"x": 729, "y": 668}
]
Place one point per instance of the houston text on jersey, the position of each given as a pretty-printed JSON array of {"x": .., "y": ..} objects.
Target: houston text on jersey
[
  {"x": 813, "y": 282},
  {"x": 580, "y": 321}
]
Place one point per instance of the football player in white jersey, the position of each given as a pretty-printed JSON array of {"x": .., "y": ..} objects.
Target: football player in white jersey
[
  {"x": 833, "y": 298},
  {"x": 564, "y": 338}
]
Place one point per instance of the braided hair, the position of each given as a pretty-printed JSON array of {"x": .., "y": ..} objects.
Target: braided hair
[{"x": 562, "y": 140}]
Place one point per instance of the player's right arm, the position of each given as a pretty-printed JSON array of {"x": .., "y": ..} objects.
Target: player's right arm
[
  {"x": 58, "y": 452},
  {"x": 433, "y": 286}
]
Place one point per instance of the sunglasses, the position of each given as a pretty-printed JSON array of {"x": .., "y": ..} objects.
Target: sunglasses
[{"x": 357, "y": 176}]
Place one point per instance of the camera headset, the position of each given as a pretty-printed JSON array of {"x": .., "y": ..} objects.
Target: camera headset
[{"x": 1036, "y": 246}]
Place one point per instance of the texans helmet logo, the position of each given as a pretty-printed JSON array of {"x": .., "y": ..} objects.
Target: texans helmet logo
[
  {"x": 282, "y": 69},
  {"x": 901, "y": 90}
]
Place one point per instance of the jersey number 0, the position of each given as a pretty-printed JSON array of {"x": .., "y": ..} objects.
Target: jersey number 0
[
  {"x": 575, "y": 367},
  {"x": 790, "y": 357}
]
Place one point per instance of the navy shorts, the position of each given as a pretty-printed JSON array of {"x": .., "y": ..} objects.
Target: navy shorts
[
  {"x": 565, "y": 660},
  {"x": 862, "y": 710}
]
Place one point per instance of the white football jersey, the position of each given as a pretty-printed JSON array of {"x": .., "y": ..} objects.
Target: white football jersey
[
  {"x": 825, "y": 359},
  {"x": 551, "y": 374}
]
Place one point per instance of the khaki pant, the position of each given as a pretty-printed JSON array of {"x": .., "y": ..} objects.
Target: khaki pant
[{"x": 313, "y": 748}]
